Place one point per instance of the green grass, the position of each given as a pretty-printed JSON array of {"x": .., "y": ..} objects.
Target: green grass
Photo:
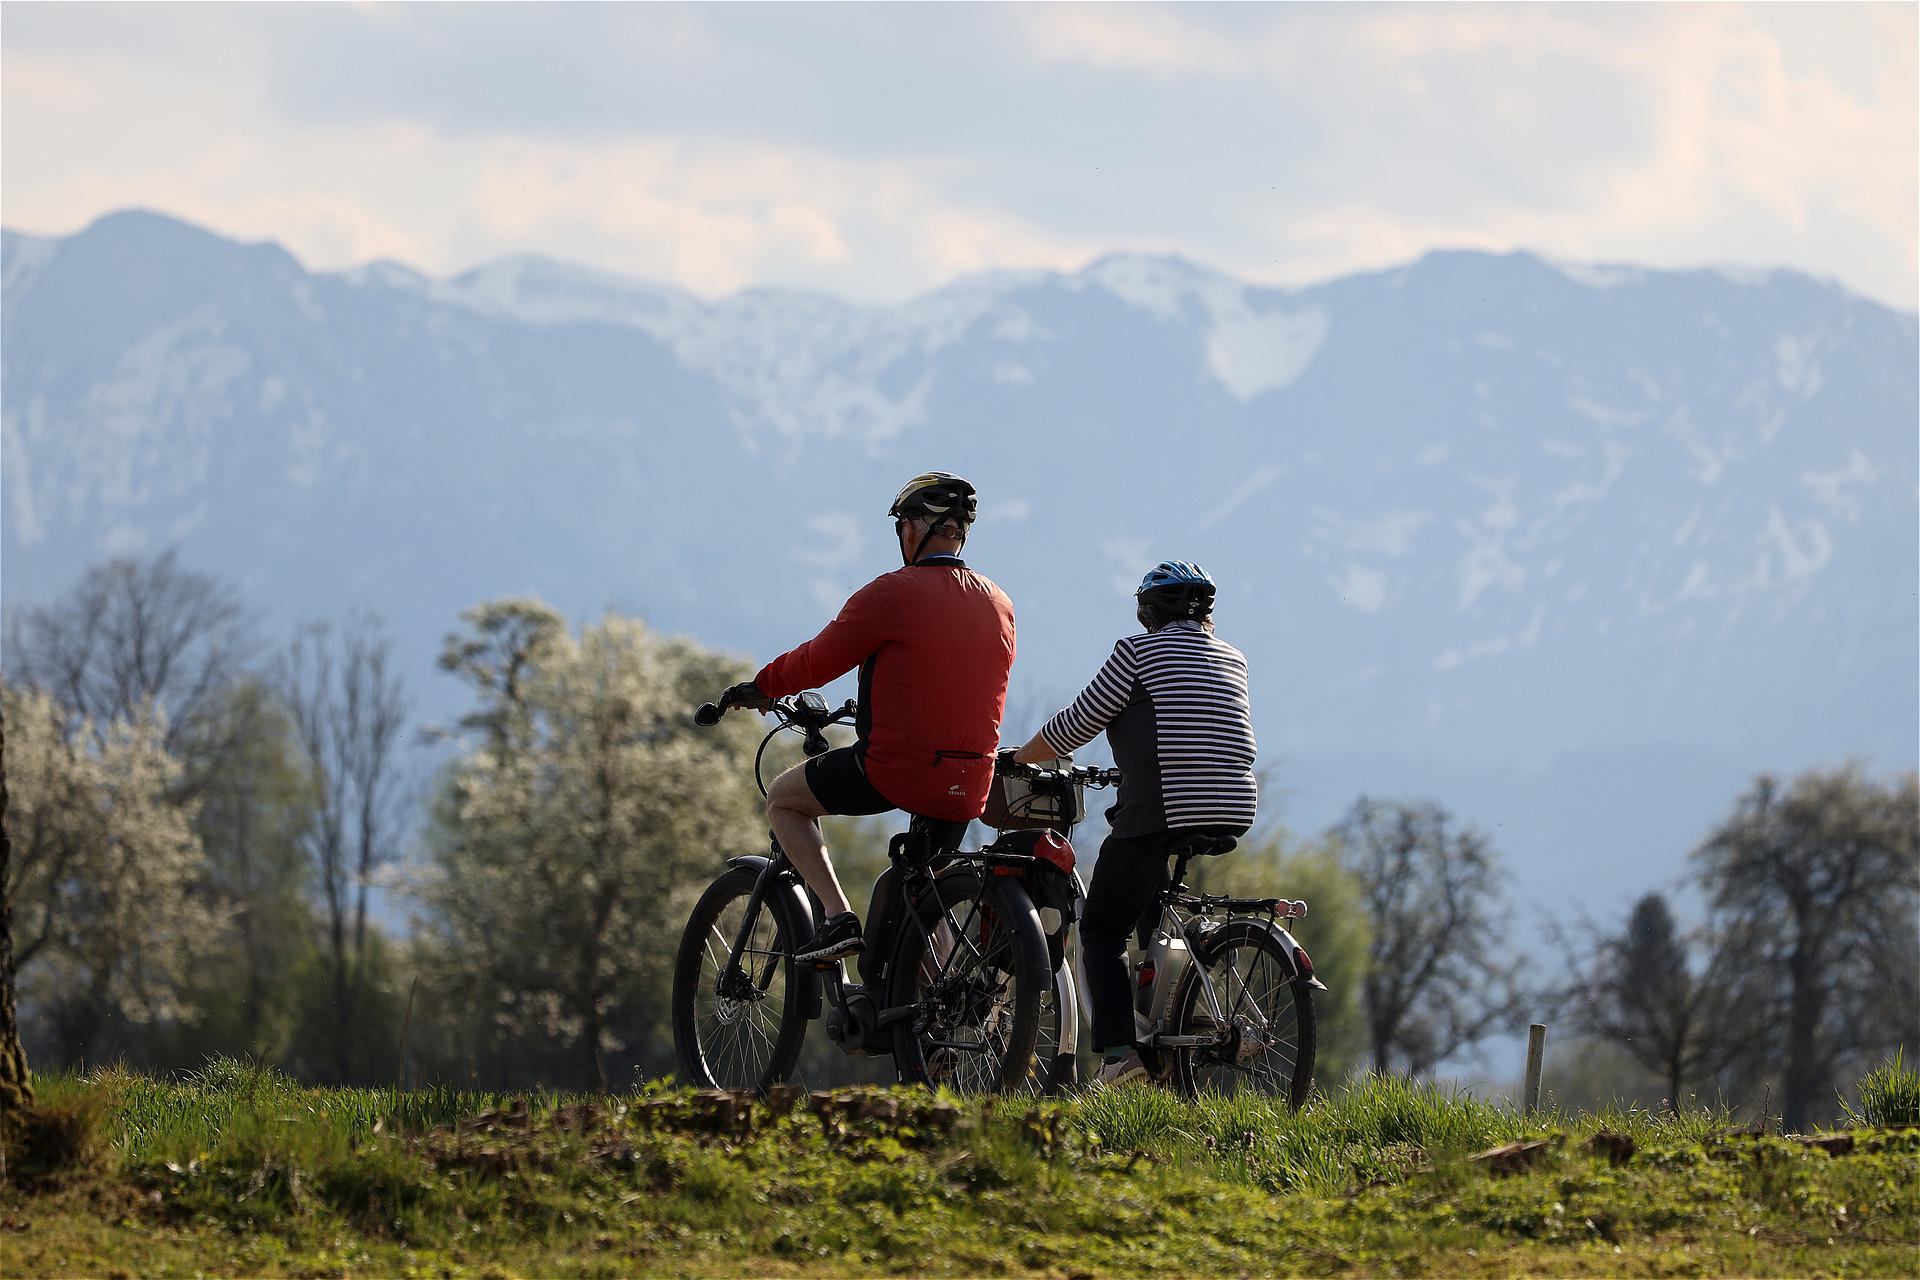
[
  {"x": 236, "y": 1170},
  {"x": 1889, "y": 1094}
]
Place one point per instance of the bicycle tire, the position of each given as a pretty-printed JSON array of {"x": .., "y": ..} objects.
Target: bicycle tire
[
  {"x": 750, "y": 1062},
  {"x": 1286, "y": 1027},
  {"x": 1000, "y": 990},
  {"x": 1055, "y": 1072}
]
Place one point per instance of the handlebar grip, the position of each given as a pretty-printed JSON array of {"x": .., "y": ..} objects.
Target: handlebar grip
[{"x": 707, "y": 716}]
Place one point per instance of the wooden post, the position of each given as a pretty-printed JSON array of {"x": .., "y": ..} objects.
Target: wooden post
[{"x": 1536, "y": 1053}]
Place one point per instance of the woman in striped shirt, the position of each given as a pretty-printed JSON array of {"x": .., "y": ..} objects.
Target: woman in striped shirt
[{"x": 1174, "y": 705}]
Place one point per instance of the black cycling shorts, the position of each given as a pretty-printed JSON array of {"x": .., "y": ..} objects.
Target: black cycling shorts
[{"x": 838, "y": 781}]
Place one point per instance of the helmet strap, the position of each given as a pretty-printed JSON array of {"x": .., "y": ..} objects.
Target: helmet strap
[{"x": 933, "y": 527}]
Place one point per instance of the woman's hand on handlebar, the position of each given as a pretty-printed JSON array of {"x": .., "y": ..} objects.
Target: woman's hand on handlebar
[{"x": 1035, "y": 752}]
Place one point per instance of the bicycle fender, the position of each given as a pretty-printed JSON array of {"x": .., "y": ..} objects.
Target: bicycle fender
[
  {"x": 1032, "y": 937},
  {"x": 796, "y": 917},
  {"x": 1292, "y": 950}
]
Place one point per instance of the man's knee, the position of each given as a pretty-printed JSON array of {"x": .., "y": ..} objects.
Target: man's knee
[{"x": 791, "y": 793}]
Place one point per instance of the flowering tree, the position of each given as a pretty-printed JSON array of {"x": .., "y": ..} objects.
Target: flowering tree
[
  {"x": 104, "y": 869},
  {"x": 584, "y": 815}
]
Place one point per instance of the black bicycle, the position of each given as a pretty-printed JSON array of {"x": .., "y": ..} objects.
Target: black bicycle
[
  {"x": 1035, "y": 809},
  {"x": 951, "y": 979}
]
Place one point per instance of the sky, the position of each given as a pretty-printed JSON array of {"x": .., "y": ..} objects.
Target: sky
[{"x": 879, "y": 151}]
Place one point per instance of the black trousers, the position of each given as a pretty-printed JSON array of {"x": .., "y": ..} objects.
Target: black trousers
[{"x": 1129, "y": 874}]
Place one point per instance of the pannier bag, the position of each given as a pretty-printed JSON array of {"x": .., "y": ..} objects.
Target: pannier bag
[{"x": 1049, "y": 882}]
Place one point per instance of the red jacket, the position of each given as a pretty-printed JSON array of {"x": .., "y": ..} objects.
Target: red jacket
[{"x": 934, "y": 643}]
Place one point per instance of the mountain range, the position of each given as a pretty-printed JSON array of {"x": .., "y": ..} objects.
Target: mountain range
[{"x": 1575, "y": 549}]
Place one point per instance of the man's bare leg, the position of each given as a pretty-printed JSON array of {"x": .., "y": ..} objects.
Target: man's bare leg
[{"x": 795, "y": 815}]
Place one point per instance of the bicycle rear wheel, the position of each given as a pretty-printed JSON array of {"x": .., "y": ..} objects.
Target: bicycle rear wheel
[
  {"x": 1265, "y": 1036},
  {"x": 739, "y": 1031},
  {"x": 977, "y": 973}
]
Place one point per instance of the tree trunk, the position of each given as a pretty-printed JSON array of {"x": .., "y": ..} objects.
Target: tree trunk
[
  {"x": 16, "y": 1086},
  {"x": 251, "y": 1007},
  {"x": 1803, "y": 1025},
  {"x": 79, "y": 1021},
  {"x": 342, "y": 1008},
  {"x": 595, "y": 1059},
  {"x": 1379, "y": 1025}
]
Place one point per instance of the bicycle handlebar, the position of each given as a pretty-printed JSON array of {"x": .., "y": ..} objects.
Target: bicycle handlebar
[
  {"x": 808, "y": 712},
  {"x": 791, "y": 712},
  {"x": 1085, "y": 775}
]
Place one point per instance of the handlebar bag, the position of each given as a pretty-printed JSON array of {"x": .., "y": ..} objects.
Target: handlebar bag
[{"x": 1013, "y": 805}]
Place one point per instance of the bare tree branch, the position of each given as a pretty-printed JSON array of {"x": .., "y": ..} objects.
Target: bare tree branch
[{"x": 1435, "y": 984}]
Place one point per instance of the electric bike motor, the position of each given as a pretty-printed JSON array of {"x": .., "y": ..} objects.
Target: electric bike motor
[{"x": 851, "y": 1023}]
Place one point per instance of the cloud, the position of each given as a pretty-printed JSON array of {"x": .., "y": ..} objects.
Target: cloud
[
  {"x": 839, "y": 531},
  {"x": 878, "y": 151},
  {"x": 716, "y": 216},
  {"x": 1163, "y": 42},
  {"x": 1668, "y": 134}
]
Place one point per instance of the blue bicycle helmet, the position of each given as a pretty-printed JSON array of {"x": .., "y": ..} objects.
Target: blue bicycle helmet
[
  {"x": 1175, "y": 589},
  {"x": 1184, "y": 574}
]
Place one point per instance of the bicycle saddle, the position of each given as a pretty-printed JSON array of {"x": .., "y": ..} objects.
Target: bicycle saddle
[
  {"x": 928, "y": 838},
  {"x": 1201, "y": 845}
]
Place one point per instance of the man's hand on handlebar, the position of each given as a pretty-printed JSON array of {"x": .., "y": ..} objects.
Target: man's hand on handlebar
[{"x": 746, "y": 694}]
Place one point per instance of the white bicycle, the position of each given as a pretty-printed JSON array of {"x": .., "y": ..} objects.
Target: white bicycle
[{"x": 1224, "y": 992}]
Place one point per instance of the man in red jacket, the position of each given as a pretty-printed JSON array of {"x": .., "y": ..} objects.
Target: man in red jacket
[{"x": 934, "y": 642}]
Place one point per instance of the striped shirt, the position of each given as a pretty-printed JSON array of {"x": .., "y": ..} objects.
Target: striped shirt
[{"x": 1174, "y": 705}]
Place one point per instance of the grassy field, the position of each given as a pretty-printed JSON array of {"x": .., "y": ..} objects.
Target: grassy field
[{"x": 238, "y": 1171}]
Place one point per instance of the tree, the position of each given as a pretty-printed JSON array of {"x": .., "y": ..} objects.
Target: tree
[
  {"x": 254, "y": 814},
  {"x": 133, "y": 635},
  {"x": 348, "y": 711},
  {"x": 1435, "y": 983},
  {"x": 579, "y": 823},
  {"x": 1822, "y": 877},
  {"x": 1639, "y": 990},
  {"x": 16, "y": 1085},
  {"x": 104, "y": 870}
]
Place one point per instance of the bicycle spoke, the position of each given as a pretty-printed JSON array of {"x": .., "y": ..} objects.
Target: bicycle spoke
[
  {"x": 966, "y": 990},
  {"x": 960, "y": 935},
  {"x": 737, "y": 1038},
  {"x": 1260, "y": 1002}
]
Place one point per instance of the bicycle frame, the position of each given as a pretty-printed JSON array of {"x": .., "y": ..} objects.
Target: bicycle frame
[
  {"x": 779, "y": 884},
  {"x": 1181, "y": 910}
]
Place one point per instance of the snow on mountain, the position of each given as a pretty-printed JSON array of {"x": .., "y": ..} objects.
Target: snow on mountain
[{"x": 1612, "y": 531}]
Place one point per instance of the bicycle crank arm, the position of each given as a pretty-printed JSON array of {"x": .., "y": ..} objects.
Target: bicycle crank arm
[{"x": 890, "y": 1016}]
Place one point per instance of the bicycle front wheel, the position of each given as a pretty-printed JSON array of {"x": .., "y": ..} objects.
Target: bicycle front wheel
[
  {"x": 976, "y": 973},
  {"x": 736, "y": 1026},
  {"x": 1260, "y": 1020},
  {"x": 1055, "y": 1068}
]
